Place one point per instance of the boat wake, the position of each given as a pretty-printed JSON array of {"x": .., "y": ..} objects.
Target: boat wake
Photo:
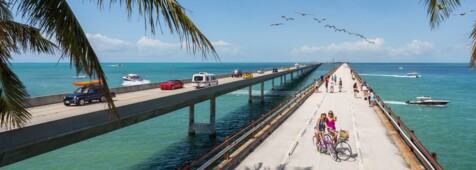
[
  {"x": 395, "y": 102},
  {"x": 133, "y": 83},
  {"x": 385, "y": 75}
]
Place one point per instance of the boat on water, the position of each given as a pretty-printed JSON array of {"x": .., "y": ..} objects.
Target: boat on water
[
  {"x": 401, "y": 68},
  {"x": 413, "y": 75},
  {"x": 116, "y": 65},
  {"x": 427, "y": 100},
  {"x": 132, "y": 77}
]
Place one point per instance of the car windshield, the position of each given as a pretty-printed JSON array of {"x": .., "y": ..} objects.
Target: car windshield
[
  {"x": 82, "y": 90},
  {"x": 198, "y": 78}
]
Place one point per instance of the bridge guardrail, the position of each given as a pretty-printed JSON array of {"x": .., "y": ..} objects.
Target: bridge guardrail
[
  {"x": 426, "y": 158},
  {"x": 235, "y": 140}
]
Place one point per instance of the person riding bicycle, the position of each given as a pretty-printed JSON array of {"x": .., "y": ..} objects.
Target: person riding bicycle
[
  {"x": 331, "y": 126},
  {"x": 320, "y": 129}
]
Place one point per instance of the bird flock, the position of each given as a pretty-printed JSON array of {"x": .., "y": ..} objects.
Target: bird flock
[
  {"x": 336, "y": 29},
  {"x": 441, "y": 7}
]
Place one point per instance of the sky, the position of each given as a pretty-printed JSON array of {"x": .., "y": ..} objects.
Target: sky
[{"x": 241, "y": 32}]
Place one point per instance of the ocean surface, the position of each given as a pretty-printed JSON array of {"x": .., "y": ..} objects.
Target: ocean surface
[{"x": 162, "y": 142}]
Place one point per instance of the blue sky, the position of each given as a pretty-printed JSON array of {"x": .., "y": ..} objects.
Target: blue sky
[{"x": 241, "y": 32}]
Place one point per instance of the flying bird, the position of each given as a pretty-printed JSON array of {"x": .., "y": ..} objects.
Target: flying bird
[
  {"x": 462, "y": 14},
  {"x": 287, "y": 19},
  {"x": 277, "y": 24},
  {"x": 303, "y": 14},
  {"x": 318, "y": 20}
]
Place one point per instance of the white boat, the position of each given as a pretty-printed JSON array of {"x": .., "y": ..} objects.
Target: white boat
[
  {"x": 427, "y": 100},
  {"x": 413, "y": 75},
  {"x": 401, "y": 68},
  {"x": 132, "y": 77},
  {"x": 116, "y": 65}
]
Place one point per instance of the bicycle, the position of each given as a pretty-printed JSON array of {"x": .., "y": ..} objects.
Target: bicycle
[
  {"x": 340, "y": 151},
  {"x": 343, "y": 149}
]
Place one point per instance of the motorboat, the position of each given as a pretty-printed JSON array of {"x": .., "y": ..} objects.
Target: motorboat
[
  {"x": 413, "y": 75},
  {"x": 116, "y": 65},
  {"x": 401, "y": 68},
  {"x": 427, "y": 100},
  {"x": 132, "y": 77}
]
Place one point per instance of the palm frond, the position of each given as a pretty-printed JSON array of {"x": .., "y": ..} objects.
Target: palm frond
[
  {"x": 439, "y": 10},
  {"x": 57, "y": 20},
  {"x": 175, "y": 19},
  {"x": 473, "y": 54},
  {"x": 16, "y": 38},
  {"x": 12, "y": 95},
  {"x": 5, "y": 13}
]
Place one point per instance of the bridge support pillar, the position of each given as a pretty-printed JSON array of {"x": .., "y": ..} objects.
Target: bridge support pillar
[
  {"x": 272, "y": 84},
  {"x": 211, "y": 129},
  {"x": 250, "y": 94},
  {"x": 191, "y": 120},
  {"x": 281, "y": 81},
  {"x": 292, "y": 76},
  {"x": 262, "y": 92},
  {"x": 284, "y": 79}
]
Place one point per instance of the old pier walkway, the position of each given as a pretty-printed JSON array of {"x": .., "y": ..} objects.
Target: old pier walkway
[{"x": 372, "y": 146}]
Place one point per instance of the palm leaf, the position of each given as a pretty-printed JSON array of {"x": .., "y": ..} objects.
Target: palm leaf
[
  {"x": 5, "y": 13},
  {"x": 473, "y": 54},
  {"x": 16, "y": 38},
  {"x": 439, "y": 10},
  {"x": 57, "y": 20}
]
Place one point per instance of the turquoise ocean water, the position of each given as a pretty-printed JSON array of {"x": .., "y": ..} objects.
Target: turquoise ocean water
[{"x": 162, "y": 142}]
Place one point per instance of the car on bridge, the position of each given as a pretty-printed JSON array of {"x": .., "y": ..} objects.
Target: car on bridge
[
  {"x": 84, "y": 94},
  {"x": 275, "y": 70},
  {"x": 260, "y": 71},
  {"x": 171, "y": 85},
  {"x": 237, "y": 73},
  {"x": 247, "y": 76},
  {"x": 204, "y": 79}
]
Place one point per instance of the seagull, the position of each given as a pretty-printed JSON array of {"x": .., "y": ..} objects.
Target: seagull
[
  {"x": 462, "y": 14},
  {"x": 319, "y": 20},
  {"x": 303, "y": 14},
  {"x": 277, "y": 24},
  {"x": 287, "y": 19}
]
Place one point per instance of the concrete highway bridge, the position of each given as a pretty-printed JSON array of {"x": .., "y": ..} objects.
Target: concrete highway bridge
[{"x": 54, "y": 125}]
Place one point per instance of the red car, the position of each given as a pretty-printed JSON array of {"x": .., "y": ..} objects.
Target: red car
[{"x": 171, "y": 85}]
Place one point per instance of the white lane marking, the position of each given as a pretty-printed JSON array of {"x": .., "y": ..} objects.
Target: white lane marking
[{"x": 357, "y": 143}]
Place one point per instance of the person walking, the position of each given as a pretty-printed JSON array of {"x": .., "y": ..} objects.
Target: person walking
[
  {"x": 332, "y": 86},
  {"x": 364, "y": 90},
  {"x": 356, "y": 90},
  {"x": 372, "y": 98},
  {"x": 316, "y": 85},
  {"x": 327, "y": 82},
  {"x": 340, "y": 85}
]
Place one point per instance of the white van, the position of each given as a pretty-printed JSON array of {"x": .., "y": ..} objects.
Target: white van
[{"x": 204, "y": 79}]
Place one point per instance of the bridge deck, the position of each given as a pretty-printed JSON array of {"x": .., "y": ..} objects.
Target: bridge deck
[
  {"x": 51, "y": 112},
  {"x": 370, "y": 141}
]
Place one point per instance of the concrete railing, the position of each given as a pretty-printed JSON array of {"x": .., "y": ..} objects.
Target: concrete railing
[{"x": 419, "y": 150}]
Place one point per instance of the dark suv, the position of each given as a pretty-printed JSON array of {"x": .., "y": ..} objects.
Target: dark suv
[
  {"x": 85, "y": 94},
  {"x": 275, "y": 70}
]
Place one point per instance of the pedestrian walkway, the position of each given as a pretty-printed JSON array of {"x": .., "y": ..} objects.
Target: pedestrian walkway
[{"x": 371, "y": 145}]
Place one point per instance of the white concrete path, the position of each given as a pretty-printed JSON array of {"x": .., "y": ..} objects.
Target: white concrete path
[{"x": 371, "y": 145}]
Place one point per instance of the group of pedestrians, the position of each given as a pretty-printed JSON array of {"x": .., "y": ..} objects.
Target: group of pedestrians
[
  {"x": 368, "y": 93},
  {"x": 330, "y": 81}
]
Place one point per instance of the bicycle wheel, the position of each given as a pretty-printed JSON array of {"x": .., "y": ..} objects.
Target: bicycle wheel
[{"x": 343, "y": 150}]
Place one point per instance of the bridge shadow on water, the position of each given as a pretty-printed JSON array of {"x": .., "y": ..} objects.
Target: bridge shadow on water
[{"x": 190, "y": 148}]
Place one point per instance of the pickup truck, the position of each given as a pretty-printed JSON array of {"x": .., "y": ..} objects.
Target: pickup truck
[{"x": 85, "y": 94}]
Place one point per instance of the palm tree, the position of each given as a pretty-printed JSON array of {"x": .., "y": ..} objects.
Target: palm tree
[
  {"x": 56, "y": 21},
  {"x": 439, "y": 10}
]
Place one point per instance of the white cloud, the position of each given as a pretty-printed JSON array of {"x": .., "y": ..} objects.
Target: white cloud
[
  {"x": 416, "y": 47},
  {"x": 224, "y": 47},
  {"x": 105, "y": 44},
  {"x": 364, "y": 51},
  {"x": 356, "y": 46}
]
